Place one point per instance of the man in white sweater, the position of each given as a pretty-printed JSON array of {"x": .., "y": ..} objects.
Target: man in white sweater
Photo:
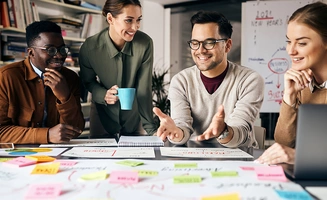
[{"x": 215, "y": 102}]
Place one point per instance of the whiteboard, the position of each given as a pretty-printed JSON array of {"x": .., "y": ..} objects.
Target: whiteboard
[{"x": 263, "y": 46}]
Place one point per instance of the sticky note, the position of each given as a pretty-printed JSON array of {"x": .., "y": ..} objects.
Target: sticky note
[
  {"x": 19, "y": 162},
  {"x": 187, "y": 179},
  {"x": 233, "y": 196},
  {"x": 52, "y": 168},
  {"x": 41, "y": 158},
  {"x": 224, "y": 173},
  {"x": 66, "y": 163},
  {"x": 270, "y": 173},
  {"x": 95, "y": 176},
  {"x": 5, "y": 159},
  {"x": 130, "y": 163},
  {"x": 186, "y": 165},
  {"x": 146, "y": 173},
  {"x": 123, "y": 177},
  {"x": 44, "y": 191},
  {"x": 294, "y": 195}
]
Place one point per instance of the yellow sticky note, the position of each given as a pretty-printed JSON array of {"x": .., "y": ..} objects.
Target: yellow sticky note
[
  {"x": 46, "y": 169},
  {"x": 5, "y": 159},
  {"x": 187, "y": 179},
  {"x": 146, "y": 173},
  {"x": 233, "y": 196},
  {"x": 95, "y": 176},
  {"x": 224, "y": 173},
  {"x": 41, "y": 158},
  {"x": 130, "y": 163},
  {"x": 186, "y": 165}
]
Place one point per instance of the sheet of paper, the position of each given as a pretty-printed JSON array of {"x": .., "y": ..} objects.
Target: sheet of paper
[
  {"x": 33, "y": 151},
  {"x": 107, "y": 152},
  {"x": 110, "y": 142},
  {"x": 203, "y": 152},
  {"x": 319, "y": 192}
]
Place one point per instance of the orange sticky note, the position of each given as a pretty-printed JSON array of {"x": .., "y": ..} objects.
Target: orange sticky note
[
  {"x": 270, "y": 173},
  {"x": 233, "y": 196},
  {"x": 123, "y": 177},
  {"x": 41, "y": 158},
  {"x": 52, "y": 168},
  {"x": 44, "y": 191}
]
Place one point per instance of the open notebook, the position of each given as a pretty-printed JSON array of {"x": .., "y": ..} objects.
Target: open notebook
[{"x": 140, "y": 141}]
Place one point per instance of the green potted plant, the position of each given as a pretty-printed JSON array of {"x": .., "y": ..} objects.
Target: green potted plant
[{"x": 160, "y": 91}]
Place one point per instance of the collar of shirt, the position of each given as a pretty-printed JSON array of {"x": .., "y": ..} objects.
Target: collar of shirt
[
  {"x": 37, "y": 71},
  {"x": 314, "y": 85}
]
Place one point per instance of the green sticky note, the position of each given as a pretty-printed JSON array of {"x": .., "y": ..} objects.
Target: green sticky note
[
  {"x": 187, "y": 179},
  {"x": 5, "y": 159},
  {"x": 224, "y": 173},
  {"x": 186, "y": 165},
  {"x": 96, "y": 176},
  {"x": 146, "y": 173},
  {"x": 130, "y": 163}
]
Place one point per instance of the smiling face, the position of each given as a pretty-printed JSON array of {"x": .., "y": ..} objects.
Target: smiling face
[
  {"x": 40, "y": 58},
  {"x": 210, "y": 62},
  {"x": 124, "y": 26},
  {"x": 305, "y": 47}
]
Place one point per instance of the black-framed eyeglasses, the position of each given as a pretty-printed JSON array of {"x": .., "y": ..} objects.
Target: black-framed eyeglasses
[
  {"x": 52, "y": 51},
  {"x": 208, "y": 44}
]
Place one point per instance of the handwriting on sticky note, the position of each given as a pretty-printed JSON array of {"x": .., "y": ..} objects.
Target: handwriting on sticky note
[
  {"x": 186, "y": 165},
  {"x": 233, "y": 196},
  {"x": 52, "y": 168},
  {"x": 187, "y": 179},
  {"x": 247, "y": 168},
  {"x": 294, "y": 195},
  {"x": 224, "y": 173},
  {"x": 146, "y": 173},
  {"x": 19, "y": 162},
  {"x": 123, "y": 177},
  {"x": 95, "y": 176},
  {"x": 270, "y": 173},
  {"x": 5, "y": 159},
  {"x": 41, "y": 158},
  {"x": 44, "y": 191},
  {"x": 130, "y": 163},
  {"x": 66, "y": 163}
]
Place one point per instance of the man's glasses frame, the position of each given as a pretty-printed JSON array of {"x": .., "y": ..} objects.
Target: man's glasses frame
[
  {"x": 207, "y": 44},
  {"x": 52, "y": 51}
]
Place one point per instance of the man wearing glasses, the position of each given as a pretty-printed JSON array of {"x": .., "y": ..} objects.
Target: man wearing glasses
[
  {"x": 39, "y": 98},
  {"x": 215, "y": 102}
]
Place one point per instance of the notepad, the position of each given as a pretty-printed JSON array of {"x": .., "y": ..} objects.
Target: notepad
[{"x": 140, "y": 141}]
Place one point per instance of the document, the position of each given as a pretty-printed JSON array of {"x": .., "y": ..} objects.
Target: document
[
  {"x": 104, "y": 152},
  {"x": 204, "y": 152},
  {"x": 140, "y": 141},
  {"x": 85, "y": 143}
]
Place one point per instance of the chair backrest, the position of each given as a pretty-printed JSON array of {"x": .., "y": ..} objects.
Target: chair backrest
[{"x": 260, "y": 136}]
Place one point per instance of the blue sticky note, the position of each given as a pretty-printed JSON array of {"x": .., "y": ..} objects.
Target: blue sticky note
[{"x": 294, "y": 195}]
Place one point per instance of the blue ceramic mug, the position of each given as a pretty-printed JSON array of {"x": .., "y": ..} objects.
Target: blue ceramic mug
[{"x": 126, "y": 98}]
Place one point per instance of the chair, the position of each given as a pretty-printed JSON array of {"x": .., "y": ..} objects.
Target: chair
[{"x": 260, "y": 136}]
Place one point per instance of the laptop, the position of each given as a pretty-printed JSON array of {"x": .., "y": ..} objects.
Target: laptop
[{"x": 311, "y": 144}]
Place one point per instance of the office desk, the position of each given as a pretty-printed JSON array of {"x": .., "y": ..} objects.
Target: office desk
[{"x": 14, "y": 183}]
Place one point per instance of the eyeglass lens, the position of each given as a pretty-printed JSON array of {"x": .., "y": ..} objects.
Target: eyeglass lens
[{"x": 62, "y": 50}]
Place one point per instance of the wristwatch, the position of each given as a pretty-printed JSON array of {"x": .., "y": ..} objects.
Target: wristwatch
[{"x": 224, "y": 134}]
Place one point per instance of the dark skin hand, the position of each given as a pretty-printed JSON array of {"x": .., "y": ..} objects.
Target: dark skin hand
[
  {"x": 57, "y": 83},
  {"x": 62, "y": 133}
]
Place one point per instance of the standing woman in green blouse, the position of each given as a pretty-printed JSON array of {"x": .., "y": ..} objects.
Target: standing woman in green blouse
[{"x": 120, "y": 56}]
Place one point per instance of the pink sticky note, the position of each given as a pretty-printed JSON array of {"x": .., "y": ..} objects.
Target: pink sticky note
[
  {"x": 124, "y": 177},
  {"x": 270, "y": 173},
  {"x": 19, "y": 162},
  {"x": 44, "y": 191},
  {"x": 66, "y": 162},
  {"x": 247, "y": 168}
]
